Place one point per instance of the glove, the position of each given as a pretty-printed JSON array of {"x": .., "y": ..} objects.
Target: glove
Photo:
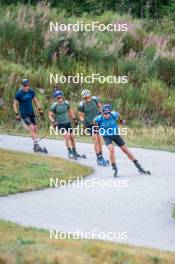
[
  {"x": 18, "y": 118},
  {"x": 40, "y": 111},
  {"x": 122, "y": 122},
  {"x": 81, "y": 123},
  {"x": 54, "y": 124},
  {"x": 75, "y": 121}
]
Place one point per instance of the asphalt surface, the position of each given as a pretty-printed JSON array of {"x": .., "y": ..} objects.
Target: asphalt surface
[{"x": 139, "y": 210}]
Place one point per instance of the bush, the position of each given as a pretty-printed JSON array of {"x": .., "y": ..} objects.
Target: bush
[
  {"x": 169, "y": 108},
  {"x": 165, "y": 69}
]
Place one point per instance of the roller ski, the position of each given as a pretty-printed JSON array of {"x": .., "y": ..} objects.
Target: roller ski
[
  {"x": 76, "y": 154},
  {"x": 144, "y": 172},
  {"x": 38, "y": 149},
  {"x": 140, "y": 169},
  {"x": 102, "y": 162},
  {"x": 115, "y": 172},
  {"x": 71, "y": 155}
]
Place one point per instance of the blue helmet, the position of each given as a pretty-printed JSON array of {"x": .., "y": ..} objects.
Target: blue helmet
[
  {"x": 58, "y": 94},
  {"x": 106, "y": 108},
  {"x": 25, "y": 82}
]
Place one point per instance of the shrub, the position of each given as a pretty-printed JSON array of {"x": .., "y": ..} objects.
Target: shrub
[{"x": 165, "y": 69}]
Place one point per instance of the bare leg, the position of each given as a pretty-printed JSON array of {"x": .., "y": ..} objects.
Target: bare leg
[
  {"x": 112, "y": 153},
  {"x": 100, "y": 143},
  {"x": 67, "y": 140},
  {"x": 96, "y": 143},
  {"x": 32, "y": 130},
  {"x": 72, "y": 140},
  {"x": 127, "y": 152},
  {"x": 113, "y": 159},
  {"x": 131, "y": 157}
]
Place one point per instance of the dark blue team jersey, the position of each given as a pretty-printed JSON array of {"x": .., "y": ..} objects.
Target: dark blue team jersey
[{"x": 25, "y": 101}]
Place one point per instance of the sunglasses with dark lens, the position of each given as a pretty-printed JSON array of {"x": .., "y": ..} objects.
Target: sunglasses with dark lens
[
  {"x": 25, "y": 85},
  {"x": 107, "y": 113},
  {"x": 59, "y": 97}
]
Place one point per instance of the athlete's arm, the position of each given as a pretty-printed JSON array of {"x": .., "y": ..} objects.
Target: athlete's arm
[
  {"x": 51, "y": 116},
  {"x": 96, "y": 125},
  {"x": 121, "y": 120},
  {"x": 99, "y": 106},
  {"x": 16, "y": 109},
  {"x": 15, "y": 106},
  {"x": 81, "y": 116},
  {"x": 71, "y": 113},
  {"x": 36, "y": 102}
]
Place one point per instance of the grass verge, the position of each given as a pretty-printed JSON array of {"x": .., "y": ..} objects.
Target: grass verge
[
  {"x": 173, "y": 213},
  {"x": 158, "y": 138},
  {"x": 29, "y": 245},
  {"x": 20, "y": 172}
]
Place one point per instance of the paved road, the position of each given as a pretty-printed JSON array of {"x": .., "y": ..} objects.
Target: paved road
[{"x": 143, "y": 209}]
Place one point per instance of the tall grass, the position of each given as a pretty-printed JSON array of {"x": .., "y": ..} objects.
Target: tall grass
[{"x": 29, "y": 50}]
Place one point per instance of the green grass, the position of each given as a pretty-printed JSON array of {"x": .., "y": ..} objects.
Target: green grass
[
  {"x": 158, "y": 137},
  {"x": 29, "y": 245},
  {"x": 20, "y": 172},
  {"x": 173, "y": 213},
  {"x": 142, "y": 54}
]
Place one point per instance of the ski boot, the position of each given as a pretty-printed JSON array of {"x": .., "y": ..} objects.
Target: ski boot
[
  {"x": 102, "y": 162},
  {"x": 71, "y": 155},
  {"x": 38, "y": 149},
  {"x": 140, "y": 169},
  {"x": 105, "y": 161},
  {"x": 76, "y": 154},
  {"x": 115, "y": 170}
]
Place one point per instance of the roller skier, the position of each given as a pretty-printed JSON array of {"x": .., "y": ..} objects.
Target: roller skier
[
  {"x": 23, "y": 108},
  {"x": 60, "y": 115},
  {"x": 107, "y": 125},
  {"x": 88, "y": 109}
]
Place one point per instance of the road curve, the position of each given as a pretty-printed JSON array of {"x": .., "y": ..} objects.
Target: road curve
[{"x": 142, "y": 209}]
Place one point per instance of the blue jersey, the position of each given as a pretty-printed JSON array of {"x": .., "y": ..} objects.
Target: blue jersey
[
  {"x": 25, "y": 101},
  {"x": 108, "y": 126}
]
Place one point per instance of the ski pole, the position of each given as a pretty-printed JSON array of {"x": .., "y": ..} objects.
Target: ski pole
[
  {"x": 25, "y": 126},
  {"x": 45, "y": 135}
]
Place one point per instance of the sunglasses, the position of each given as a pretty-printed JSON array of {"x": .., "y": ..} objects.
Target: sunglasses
[
  {"x": 59, "y": 97},
  {"x": 25, "y": 85},
  {"x": 107, "y": 113}
]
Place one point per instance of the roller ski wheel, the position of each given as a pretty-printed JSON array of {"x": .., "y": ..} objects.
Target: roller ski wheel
[
  {"x": 140, "y": 169},
  {"x": 144, "y": 172},
  {"x": 76, "y": 154},
  {"x": 105, "y": 161},
  {"x": 102, "y": 162},
  {"x": 115, "y": 172},
  {"x": 38, "y": 149},
  {"x": 72, "y": 156},
  {"x": 45, "y": 150}
]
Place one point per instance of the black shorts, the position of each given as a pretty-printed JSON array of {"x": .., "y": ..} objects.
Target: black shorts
[
  {"x": 116, "y": 138},
  {"x": 65, "y": 127},
  {"x": 90, "y": 130},
  {"x": 29, "y": 119}
]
